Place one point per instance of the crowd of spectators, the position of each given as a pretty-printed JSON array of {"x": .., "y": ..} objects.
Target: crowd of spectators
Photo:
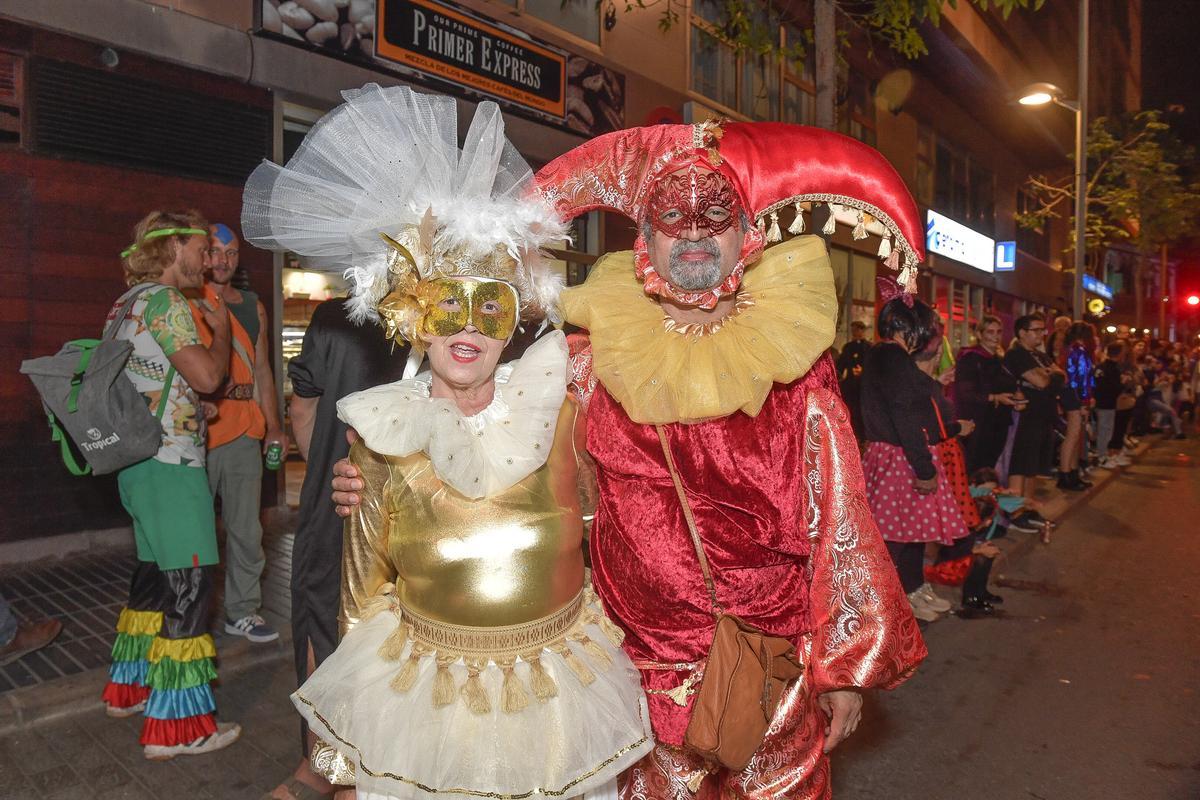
[{"x": 954, "y": 445}]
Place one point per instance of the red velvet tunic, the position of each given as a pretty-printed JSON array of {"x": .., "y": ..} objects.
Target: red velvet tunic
[{"x": 780, "y": 505}]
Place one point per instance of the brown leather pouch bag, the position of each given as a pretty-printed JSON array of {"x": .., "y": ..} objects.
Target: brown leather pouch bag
[{"x": 745, "y": 673}]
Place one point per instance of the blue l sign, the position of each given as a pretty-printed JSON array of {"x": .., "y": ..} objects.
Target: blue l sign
[{"x": 1006, "y": 256}]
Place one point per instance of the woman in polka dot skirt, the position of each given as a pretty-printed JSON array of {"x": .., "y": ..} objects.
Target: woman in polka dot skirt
[{"x": 907, "y": 484}]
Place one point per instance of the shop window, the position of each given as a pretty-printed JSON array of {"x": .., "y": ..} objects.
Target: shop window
[
  {"x": 714, "y": 68},
  {"x": 11, "y": 97},
  {"x": 856, "y": 111},
  {"x": 748, "y": 83},
  {"x": 963, "y": 188},
  {"x": 925, "y": 162},
  {"x": 799, "y": 84},
  {"x": 760, "y": 87},
  {"x": 577, "y": 17}
]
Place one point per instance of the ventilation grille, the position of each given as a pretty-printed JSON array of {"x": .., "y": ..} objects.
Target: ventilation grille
[{"x": 104, "y": 117}]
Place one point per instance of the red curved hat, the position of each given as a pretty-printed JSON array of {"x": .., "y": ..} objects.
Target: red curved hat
[{"x": 772, "y": 165}]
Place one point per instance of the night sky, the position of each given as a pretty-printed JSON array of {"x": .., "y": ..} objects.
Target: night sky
[
  {"x": 1170, "y": 66},
  {"x": 1171, "y": 77}
]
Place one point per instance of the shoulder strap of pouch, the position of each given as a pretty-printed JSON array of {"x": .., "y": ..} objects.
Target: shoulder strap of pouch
[{"x": 691, "y": 522}]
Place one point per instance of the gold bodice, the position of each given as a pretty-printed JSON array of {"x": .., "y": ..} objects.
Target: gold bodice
[{"x": 501, "y": 560}]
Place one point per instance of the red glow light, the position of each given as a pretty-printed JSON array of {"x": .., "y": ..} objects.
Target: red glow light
[{"x": 1193, "y": 300}]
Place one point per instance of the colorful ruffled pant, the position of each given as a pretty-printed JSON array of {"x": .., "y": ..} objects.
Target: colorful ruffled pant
[{"x": 163, "y": 654}]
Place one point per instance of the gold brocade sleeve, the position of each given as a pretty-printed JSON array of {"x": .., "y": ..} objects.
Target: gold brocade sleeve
[
  {"x": 864, "y": 634},
  {"x": 588, "y": 490},
  {"x": 365, "y": 562}
]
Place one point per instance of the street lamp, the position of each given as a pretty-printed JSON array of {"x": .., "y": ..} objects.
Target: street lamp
[{"x": 1040, "y": 94}]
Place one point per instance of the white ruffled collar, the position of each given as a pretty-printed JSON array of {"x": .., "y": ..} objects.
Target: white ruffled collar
[{"x": 480, "y": 455}]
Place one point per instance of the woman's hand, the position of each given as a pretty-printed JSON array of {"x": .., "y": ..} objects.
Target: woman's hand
[
  {"x": 925, "y": 485},
  {"x": 1003, "y": 399},
  {"x": 966, "y": 427}
]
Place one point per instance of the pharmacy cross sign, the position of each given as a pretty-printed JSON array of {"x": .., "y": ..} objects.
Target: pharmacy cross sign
[{"x": 457, "y": 45}]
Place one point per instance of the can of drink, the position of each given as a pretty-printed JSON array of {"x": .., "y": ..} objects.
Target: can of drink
[{"x": 274, "y": 455}]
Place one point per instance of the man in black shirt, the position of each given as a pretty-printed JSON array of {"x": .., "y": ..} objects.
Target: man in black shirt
[
  {"x": 337, "y": 358},
  {"x": 849, "y": 372},
  {"x": 1039, "y": 379}
]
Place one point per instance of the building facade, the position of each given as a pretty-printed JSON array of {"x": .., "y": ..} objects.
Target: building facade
[{"x": 112, "y": 107}]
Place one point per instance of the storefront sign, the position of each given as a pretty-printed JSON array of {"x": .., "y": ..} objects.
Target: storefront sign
[
  {"x": 1097, "y": 286},
  {"x": 954, "y": 240},
  {"x": 457, "y": 51},
  {"x": 1006, "y": 256},
  {"x": 458, "y": 46}
]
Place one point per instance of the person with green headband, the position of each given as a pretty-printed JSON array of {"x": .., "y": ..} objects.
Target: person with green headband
[
  {"x": 246, "y": 426},
  {"x": 163, "y": 655}
]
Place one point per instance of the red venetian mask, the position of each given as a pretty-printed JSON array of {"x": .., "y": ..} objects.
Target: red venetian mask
[{"x": 705, "y": 199}]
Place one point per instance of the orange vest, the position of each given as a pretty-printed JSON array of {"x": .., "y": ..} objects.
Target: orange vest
[{"x": 234, "y": 417}]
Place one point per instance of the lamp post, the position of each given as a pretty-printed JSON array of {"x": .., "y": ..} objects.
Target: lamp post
[{"x": 1039, "y": 94}]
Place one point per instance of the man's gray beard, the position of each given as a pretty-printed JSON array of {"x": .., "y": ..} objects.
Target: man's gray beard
[{"x": 695, "y": 275}]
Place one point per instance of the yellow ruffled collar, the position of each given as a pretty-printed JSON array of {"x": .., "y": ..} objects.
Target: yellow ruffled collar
[{"x": 662, "y": 373}]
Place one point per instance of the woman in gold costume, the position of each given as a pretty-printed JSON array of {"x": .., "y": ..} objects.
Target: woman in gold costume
[{"x": 474, "y": 661}]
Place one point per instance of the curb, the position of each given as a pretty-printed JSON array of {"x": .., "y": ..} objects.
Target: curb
[
  {"x": 1021, "y": 544},
  {"x": 80, "y": 693}
]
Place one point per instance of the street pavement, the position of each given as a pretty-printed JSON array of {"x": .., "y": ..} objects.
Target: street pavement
[{"x": 1085, "y": 689}]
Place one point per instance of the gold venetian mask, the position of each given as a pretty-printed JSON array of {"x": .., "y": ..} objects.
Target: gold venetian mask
[{"x": 453, "y": 303}]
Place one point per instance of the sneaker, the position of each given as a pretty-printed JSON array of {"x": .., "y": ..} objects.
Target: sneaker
[
  {"x": 253, "y": 627},
  {"x": 127, "y": 711},
  {"x": 1029, "y": 522},
  {"x": 932, "y": 600},
  {"x": 1131, "y": 442},
  {"x": 227, "y": 733},
  {"x": 921, "y": 609},
  {"x": 1109, "y": 463},
  {"x": 1123, "y": 460}
]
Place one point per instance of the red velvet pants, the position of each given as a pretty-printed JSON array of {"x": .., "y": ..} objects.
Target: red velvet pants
[{"x": 789, "y": 764}]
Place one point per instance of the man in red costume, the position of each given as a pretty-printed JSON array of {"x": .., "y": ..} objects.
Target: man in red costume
[{"x": 702, "y": 344}]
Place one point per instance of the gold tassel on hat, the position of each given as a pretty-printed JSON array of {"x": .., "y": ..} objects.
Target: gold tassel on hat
[
  {"x": 762, "y": 227},
  {"x": 576, "y": 664},
  {"x": 594, "y": 651},
  {"x": 513, "y": 697},
  {"x": 540, "y": 681},
  {"x": 443, "y": 681},
  {"x": 831, "y": 223},
  {"x": 893, "y": 260},
  {"x": 773, "y": 234},
  {"x": 393, "y": 646},
  {"x": 860, "y": 229},
  {"x": 797, "y": 225},
  {"x": 472, "y": 691}
]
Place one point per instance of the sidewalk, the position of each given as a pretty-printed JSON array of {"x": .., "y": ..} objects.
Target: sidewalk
[{"x": 87, "y": 592}]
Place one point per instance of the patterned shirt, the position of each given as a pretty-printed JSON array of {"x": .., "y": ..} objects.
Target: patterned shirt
[{"x": 159, "y": 325}]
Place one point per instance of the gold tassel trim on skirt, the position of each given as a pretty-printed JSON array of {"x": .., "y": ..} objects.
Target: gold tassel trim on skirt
[{"x": 563, "y": 633}]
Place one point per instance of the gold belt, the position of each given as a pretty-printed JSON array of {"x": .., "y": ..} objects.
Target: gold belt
[{"x": 494, "y": 643}]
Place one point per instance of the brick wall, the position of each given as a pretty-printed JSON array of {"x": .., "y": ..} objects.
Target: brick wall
[{"x": 62, "y": 226}]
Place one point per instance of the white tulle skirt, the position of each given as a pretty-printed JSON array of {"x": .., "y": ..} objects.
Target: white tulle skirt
[{"x": 402, "y": 746}]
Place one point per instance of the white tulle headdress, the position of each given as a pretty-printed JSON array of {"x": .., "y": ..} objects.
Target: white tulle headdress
[{"x": 380, "y": 190}]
